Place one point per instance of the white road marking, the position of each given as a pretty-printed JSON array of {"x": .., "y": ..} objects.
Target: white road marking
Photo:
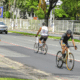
[
  {"x": 49, "y": 44},
  {"x": 57, "y": 78},
  {"x": 41, "y": 72}
]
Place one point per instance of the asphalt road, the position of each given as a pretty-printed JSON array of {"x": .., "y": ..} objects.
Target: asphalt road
[{"x": 20, "y": 48}]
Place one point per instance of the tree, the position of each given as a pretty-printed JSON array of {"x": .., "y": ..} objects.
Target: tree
[
  {"x": 52, "y": 4},
  {"x": 32, "y": 6},
  {"x": 60, "y": 13},
  {"x": 67, "y": 9},
  {"x": 40, "y": 13}
]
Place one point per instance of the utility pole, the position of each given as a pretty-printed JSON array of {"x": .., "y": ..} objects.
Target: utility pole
[{"x": 13, "y": 23}]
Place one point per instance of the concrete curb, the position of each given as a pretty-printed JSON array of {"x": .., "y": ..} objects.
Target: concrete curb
[{"x": 49, "y": 38}]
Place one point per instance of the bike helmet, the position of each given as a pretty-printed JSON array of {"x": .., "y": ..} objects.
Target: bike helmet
[
  {"x": 69, "y": 32},
  {"x": 43, "y": 23}
]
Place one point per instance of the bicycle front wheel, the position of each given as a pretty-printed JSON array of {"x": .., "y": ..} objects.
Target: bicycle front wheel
[
  {"x": 70, "y": 61},
  {"x": 59, "y": 61},
  {"x": 36, "y": 47}
]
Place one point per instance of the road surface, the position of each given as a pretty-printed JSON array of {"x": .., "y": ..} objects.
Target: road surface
[{"x": 20, "y": 48}]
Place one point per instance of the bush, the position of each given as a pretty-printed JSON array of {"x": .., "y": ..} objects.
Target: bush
[
  {"x": 72, "y": 18},
  {"x": 6, "y": 14},
  {"x": 40, "y": 13}
]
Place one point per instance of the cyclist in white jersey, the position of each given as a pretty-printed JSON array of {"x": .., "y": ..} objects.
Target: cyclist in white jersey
[{"x": 44, "y": 33}]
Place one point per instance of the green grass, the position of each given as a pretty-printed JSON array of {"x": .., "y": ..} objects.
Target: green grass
[
  {"x": 13, "y": 79},
  {"x": 30, "y": 34}
]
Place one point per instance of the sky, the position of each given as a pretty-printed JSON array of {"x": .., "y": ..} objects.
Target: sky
[{"x": 58, "y": 3}]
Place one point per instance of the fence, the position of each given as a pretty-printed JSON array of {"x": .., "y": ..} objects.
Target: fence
[
  {"x": 64, "y": 25},
  {"x": 30, "y": 24}
]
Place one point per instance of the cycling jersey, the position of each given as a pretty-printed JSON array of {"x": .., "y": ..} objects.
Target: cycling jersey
[
  {"x": 44, "y": 31},
  {"x": 65, "y": 38}
]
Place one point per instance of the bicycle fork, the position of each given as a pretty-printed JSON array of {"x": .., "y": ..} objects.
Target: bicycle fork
[{"x": 68, "y": 54}]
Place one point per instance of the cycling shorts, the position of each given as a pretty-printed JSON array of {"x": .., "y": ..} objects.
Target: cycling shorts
[
  {"x": 44, "y": 38},
  {"x": 64, "y": 43}
]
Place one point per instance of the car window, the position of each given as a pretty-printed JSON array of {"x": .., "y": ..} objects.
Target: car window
[{"x": 1, "y": 23}]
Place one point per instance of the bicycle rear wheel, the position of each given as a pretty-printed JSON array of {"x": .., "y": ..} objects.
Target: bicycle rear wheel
[
  {"x": 59, "y": 61},
  {"x": 70, "y": 62},
  {"x": 45, "y": 49},
  {"x": 36, "y": 47}
]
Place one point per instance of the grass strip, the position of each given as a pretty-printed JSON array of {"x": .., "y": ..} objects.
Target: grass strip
[
  {"x": 13, "y": 79},
  {"x": 51, "y": 37}
]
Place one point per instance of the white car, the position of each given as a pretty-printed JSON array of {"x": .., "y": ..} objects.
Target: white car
[{"x": 3, "y": 28}]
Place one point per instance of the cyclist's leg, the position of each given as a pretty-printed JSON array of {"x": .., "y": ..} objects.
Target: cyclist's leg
[
  {"x": 40, "y": 40},
  {"x": 63, "y": 48},
  {"x": 44, "y": 40},
  {"x": 67, "y": 47}
]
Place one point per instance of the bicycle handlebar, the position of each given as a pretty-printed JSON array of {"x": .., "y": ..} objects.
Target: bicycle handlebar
[{"x": 72, "y": 46}]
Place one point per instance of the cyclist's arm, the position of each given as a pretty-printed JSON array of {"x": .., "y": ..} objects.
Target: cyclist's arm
[
  {"x": 61, "y": 42},
  {"x": 38, "y": 31},
  {"x": 73, "y": 42},
  {"x": 62, "y": 38}
]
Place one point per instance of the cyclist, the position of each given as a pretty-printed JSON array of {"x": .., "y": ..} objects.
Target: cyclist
[
  {"x": 44, "y": 34},
  {"x": 64, "y": 41}
]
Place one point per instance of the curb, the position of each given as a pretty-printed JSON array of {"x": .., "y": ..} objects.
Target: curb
[{"x": 48, "y": 38}]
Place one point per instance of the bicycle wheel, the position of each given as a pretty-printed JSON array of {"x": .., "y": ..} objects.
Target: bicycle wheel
[
  {"x": 45, "y": 49},
  {"x": 59, "y": 61},
  {"x": 70, "y": 62},
  {"x": 36, "y": 47}
]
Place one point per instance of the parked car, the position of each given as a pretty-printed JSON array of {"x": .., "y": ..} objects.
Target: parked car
[{"x": 3, "y": 28}]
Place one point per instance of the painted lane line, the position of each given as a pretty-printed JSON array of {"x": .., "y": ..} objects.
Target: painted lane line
[
  {"x": 32, "y": 49},
  {"x": 15, "y": 45},
  {"x": 48, "y": 44}
]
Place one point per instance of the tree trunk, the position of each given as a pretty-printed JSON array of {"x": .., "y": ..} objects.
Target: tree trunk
[
  {"x": 47, "y": 16},
  {"x": 46, "y": 19}
]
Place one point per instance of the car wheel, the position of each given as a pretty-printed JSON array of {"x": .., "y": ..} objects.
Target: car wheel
[
  {"x": 6, "y": 32},
  {"x": 0, "y": 32}
]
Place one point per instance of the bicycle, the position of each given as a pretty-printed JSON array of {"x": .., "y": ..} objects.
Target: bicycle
[
  {"x": 43, "y": 48},
  {"x": 65, "y": 60}
]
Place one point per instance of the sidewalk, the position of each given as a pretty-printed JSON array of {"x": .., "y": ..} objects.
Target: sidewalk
[
  {"x": 12, "y": 69},
  {"x": 9, "y": 68},
  {"x": 50, "y": 33}
]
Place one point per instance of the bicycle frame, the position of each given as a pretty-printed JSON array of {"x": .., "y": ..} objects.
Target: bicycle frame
[{"x": 67, "y": 54}]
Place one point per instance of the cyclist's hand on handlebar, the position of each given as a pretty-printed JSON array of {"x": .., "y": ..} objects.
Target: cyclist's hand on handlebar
[
  {"x": 75, "y": 47},
  {"x": 36, "y": 36},
  {"x": 63, "y": 45}
]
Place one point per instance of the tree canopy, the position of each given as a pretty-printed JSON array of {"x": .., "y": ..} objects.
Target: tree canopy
[{"x": 68, "y": 9}]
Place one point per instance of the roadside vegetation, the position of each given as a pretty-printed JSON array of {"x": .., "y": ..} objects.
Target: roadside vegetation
[
  {"x": 31, "y": 34},
  {"x": 13, "y": 79}
]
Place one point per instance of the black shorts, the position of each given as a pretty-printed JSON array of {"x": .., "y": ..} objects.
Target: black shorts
[
  {"x": 64, "y": 43},
  {"x": 44, "y": 38}
]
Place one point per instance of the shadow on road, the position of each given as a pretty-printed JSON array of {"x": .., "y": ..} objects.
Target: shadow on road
[{"x": 11, "y": 73}]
